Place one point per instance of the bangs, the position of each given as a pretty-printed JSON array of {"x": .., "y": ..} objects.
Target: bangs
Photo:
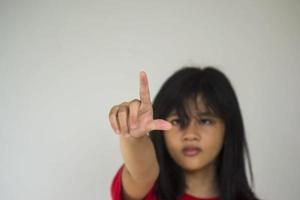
[
  {"x": 197, "y": 104},
  {"x": 204, "y": 90},
  {"x": 194, "y": 97}
]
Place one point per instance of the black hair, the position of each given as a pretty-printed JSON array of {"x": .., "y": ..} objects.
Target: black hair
[{"x": 218, "y": 95}]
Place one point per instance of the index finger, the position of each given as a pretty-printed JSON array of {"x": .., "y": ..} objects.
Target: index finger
[{"x": 144, "y": 88}]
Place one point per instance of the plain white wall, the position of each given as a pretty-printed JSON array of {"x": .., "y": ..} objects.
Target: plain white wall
[{"x": 63, "y": 64}]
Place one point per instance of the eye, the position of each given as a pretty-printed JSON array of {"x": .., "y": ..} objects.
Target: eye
[
  {"x": 205, "y": 121},
  {"x": 176, "y": 122}
]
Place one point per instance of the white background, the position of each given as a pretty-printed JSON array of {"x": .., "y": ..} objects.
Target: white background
[{"x": 63, "y": 64}]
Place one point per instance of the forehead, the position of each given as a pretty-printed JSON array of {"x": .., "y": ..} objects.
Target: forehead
[{"x": 195, "y": 106}]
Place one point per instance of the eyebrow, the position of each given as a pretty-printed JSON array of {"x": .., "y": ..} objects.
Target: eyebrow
[{"x": 199, "y": 114}]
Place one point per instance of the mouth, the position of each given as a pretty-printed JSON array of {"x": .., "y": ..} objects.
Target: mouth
[{"x": 191, "y": 151}]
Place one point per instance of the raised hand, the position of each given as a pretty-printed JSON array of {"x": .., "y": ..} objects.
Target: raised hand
[{"x": 135, "y": 118}]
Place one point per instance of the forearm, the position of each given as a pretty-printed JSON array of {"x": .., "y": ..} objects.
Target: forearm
[{"x": 139, "y": 157}]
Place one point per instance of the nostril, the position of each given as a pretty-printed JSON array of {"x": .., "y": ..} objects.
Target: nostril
[{"x": 190, "y": 135}]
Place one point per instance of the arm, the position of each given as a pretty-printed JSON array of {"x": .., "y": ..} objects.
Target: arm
[
  {"x": 132, "y": 121},
  {"x": 141, "y": 167}
]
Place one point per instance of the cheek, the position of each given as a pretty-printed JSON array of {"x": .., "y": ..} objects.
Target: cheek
[
  {"x": 214, "y": 143},
  {"x": 214, "y": 147}
]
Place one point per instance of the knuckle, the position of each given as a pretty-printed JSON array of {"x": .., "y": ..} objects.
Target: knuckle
[
  {"x": 113, "y": 110},
  {"x": 122, "y": 108},
  {"x": 134, "y": 105},
  {"x": 124, "y": 103},
  {"x": 122, "y": 111},
  {"x": 135, "y": 101}
]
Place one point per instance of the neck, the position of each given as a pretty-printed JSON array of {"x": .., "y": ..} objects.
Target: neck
[{"x": 202, "y": 183}]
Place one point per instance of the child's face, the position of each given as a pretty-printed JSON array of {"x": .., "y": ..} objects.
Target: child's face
[{"x": 198, "y": 145}]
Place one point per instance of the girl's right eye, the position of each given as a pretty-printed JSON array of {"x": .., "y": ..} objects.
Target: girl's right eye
[{"x": 176, "y": 122}]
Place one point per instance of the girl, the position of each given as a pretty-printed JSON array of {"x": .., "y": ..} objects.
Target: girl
[{"x": 189, "y": 145}]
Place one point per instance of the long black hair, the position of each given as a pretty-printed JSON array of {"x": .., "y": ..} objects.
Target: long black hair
[{"x": 219, "y": 96}]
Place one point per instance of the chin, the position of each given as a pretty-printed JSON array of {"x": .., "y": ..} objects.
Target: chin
[
  {"x": 195, "y": 166},
  {"x": 192, "y": 169}
]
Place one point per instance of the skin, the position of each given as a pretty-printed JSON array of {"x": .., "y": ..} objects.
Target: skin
[
  {"x": 134, "y": 119},
  {"x": 205, "y": 131}
]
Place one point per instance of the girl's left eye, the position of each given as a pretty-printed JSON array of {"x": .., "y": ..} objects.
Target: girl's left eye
[{"x": 205, "y": 121}]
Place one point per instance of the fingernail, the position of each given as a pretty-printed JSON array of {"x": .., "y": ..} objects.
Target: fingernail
[{"x": 118, "y": 131}]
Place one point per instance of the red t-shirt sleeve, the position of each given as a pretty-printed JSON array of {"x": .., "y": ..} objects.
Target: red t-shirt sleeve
[{"x": 116, "y": 187}]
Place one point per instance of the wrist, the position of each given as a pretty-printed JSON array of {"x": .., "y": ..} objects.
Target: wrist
[{"x": 132, "y": 138}]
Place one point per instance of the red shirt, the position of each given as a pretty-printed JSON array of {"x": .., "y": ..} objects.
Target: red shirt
[{"x": 117, "y": 184}]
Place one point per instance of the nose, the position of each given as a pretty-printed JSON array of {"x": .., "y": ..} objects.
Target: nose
[{"x": 191, "y": 132}]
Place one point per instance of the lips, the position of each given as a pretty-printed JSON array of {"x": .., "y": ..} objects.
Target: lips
[{"x": 191, "y": 150}]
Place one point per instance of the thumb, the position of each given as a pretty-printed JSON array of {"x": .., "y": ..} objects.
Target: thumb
[{"x": 159, "y": 124}]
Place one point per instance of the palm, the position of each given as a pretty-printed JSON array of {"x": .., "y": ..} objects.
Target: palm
[
  {"x": 145, "y": 117},
  {"x": 145, "y": 121}
]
